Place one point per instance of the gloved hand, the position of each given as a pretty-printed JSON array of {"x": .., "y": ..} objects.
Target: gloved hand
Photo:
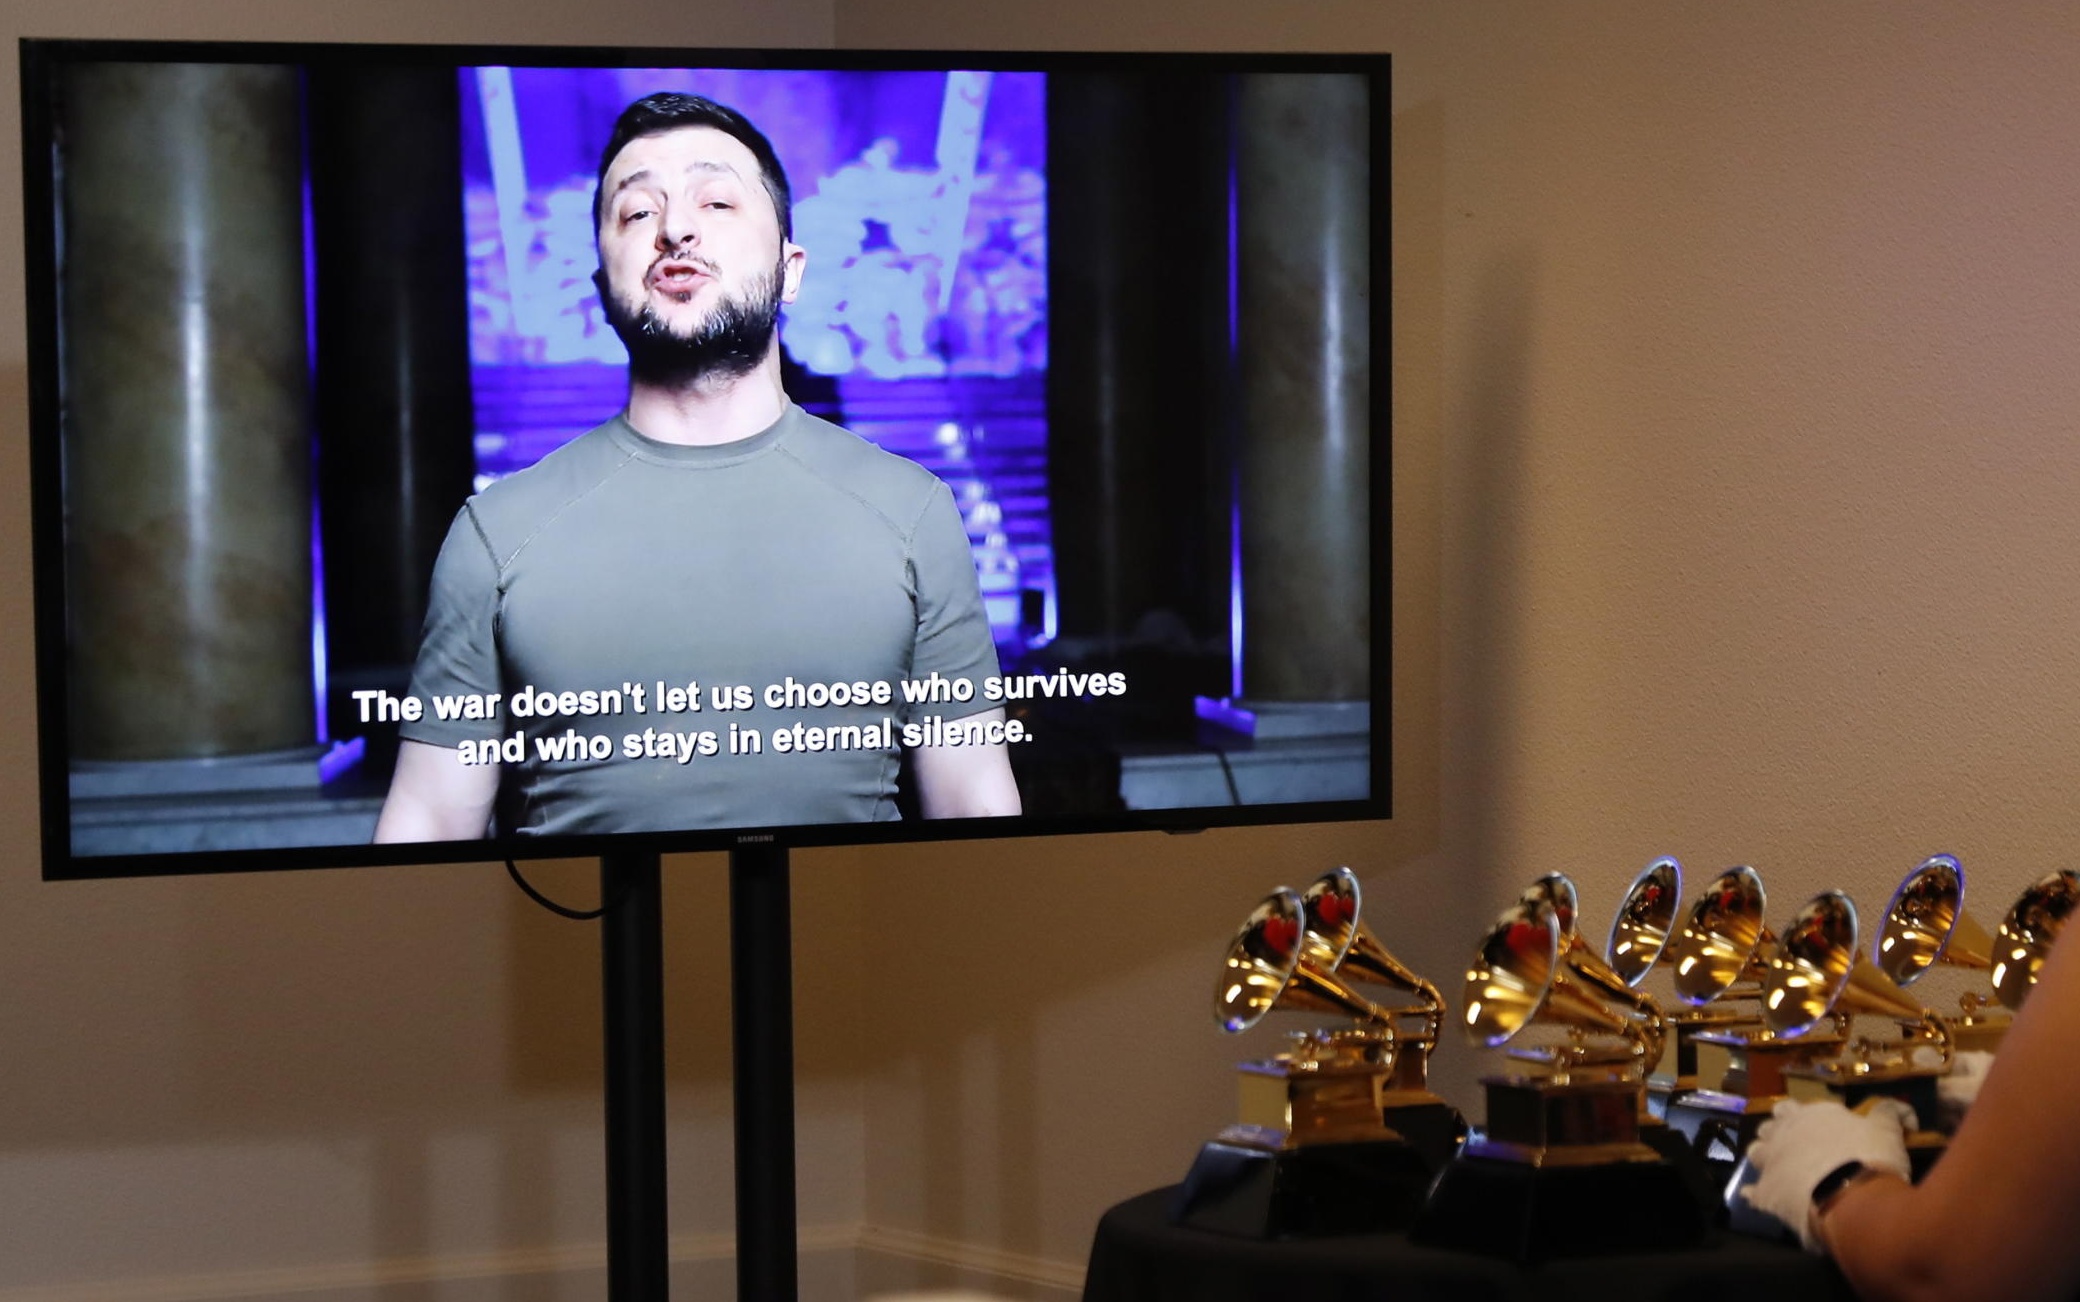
[
  {"x": 1960, "y": 1086},
  {"x": 1802, "y": 1142}
]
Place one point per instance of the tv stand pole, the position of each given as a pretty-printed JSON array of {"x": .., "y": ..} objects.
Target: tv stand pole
[
  {"x": 762, "y": 1009},
  {"x": 631, "y": 945},
  {"x": 762, "y": 1015}
]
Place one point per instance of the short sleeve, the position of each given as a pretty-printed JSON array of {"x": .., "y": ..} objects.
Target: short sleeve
[
  {"x": 953, "y": 636},
  {"x": 458, "y": 652}
]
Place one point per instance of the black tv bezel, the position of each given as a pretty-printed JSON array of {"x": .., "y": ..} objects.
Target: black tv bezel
[{"x": 39, "y": 61}]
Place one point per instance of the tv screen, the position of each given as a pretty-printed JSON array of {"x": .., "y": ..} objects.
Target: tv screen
[{"x": 454, "y": 453}]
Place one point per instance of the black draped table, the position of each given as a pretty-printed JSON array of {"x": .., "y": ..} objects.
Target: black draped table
[{"x": 1139, "y": 1256}]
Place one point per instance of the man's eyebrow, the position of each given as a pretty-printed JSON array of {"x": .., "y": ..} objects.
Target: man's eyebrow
[{"x": 698, "y": 165}]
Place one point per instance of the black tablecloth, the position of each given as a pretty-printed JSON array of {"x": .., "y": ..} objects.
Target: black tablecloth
[{"x": 1138, "y": 1256}]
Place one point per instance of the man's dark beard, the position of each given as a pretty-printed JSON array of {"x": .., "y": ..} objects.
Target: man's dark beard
[{"x": 730, "y": 342}]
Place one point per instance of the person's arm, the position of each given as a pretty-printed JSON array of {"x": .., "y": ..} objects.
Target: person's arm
[
  {"x": 953, "y": 638},
  {"x": 966, "y": 781},
  {"x": 435, "y": 797},
  {"x": 1993, "y": 1220}
]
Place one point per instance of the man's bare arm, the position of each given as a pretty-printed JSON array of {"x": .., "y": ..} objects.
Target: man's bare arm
[
  {"x": 966, "y": 781},
  {"x": 435, "y": 797},
  {"x": 1993, "y": 1221}
]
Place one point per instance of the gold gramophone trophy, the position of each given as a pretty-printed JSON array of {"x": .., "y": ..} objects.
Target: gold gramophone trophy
[
  {"x": 2026, "y": 935},
  {"x": 1721, "y": 959},
  {"x": 1819, "y": 973},
  {"x": 1640, "y": 940},
  {"x": 1925, "y": 925},
  {"x": 1562, "y": 1144},
  {"x": 1310, "y": 1152},
  {"x": 1557, "y": 890},
  {"x": 1640, "y": 930},
  {"x": 1637, "y": 944},
  {"x": 1338, "y": 939}
]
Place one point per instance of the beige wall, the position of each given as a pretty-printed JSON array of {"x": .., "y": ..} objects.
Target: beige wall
[
  {"x": 1735, "y": 396},
  {"x": 1735, "y": 393},
  {"x": 311, "y": 1074}
]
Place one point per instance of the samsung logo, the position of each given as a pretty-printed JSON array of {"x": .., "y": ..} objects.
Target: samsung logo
[{"x": 742, "y": 840}]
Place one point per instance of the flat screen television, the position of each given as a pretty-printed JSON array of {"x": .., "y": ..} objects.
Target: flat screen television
[{"x": 447, "y": 453}]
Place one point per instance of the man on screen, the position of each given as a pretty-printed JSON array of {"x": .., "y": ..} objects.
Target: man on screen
[{"x": 713, "y": 566}]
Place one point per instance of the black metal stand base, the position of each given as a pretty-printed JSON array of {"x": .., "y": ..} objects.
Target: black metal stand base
[
  {"x": 1528, "y": 1213},
  {"x": 1324, "y": 1189},
  {"x": 762, "y": 1009}
]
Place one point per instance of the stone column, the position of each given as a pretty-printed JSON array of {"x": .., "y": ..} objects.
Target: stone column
[
  {"x": 1303, "y": 234},
  {"x": 1105, "y": 473},
  {"x": 394, "y": 412},
  {"x": 187, "y": 451},
  {"x": 1137, "y": 198}
]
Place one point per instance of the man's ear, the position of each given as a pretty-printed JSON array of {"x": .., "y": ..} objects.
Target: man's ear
[{"x": 793, "y": 258}]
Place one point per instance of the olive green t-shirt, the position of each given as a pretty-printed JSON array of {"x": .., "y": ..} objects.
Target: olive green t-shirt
[{"x": 642, "y": 572}]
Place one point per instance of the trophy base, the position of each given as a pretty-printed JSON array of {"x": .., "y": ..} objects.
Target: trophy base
[
  {"x": 1542, "y": 1122},
  {"x": 1526, "y": 1213},
  {"x": 1981, "y": 1033},
  {"x": 1659, "y": 1090},
  {"x": 1755, "y": 1061},
  {"x": 1716, "y": 1128},
  {"x": 1720, "y": 1126},
  {"x": 1321, "y": 1189},
  {"x": 1924, "y": 1148},
  {"x": 1433, "y": 1128},
  {"x": 1717, "y": 1124},
  {"x": 1332, "y": 1094},
  {"x": 1915, "y": 1087},
  {"x": 1705, "y": 1179}
]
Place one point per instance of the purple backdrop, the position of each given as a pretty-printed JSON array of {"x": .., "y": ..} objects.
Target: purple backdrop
[{"x": 922, "y": 323}]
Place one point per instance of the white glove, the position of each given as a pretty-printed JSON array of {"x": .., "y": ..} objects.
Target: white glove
[
  {"x": 1967, "y": 1072},
  {"x": 1802, "y": 1142}
]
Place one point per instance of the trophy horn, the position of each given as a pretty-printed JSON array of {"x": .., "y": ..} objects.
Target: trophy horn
[
  {"x": 1817, "y": 971},
  {"x": 1926, "y": 924},
  {"x": 1267, "y": 967},
  {"x": 1337, "y": 940},
  {"x": 1522, "y": 974},
  {"x": 1640, "y": 931},
  {"x": 1557, "y": 891},
  {"x": 2027, "y": 933},
  {"x": 1722, "y": 940}
]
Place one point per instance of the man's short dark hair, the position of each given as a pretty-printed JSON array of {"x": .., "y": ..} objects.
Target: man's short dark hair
[{"x": 653, "y": 115}]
